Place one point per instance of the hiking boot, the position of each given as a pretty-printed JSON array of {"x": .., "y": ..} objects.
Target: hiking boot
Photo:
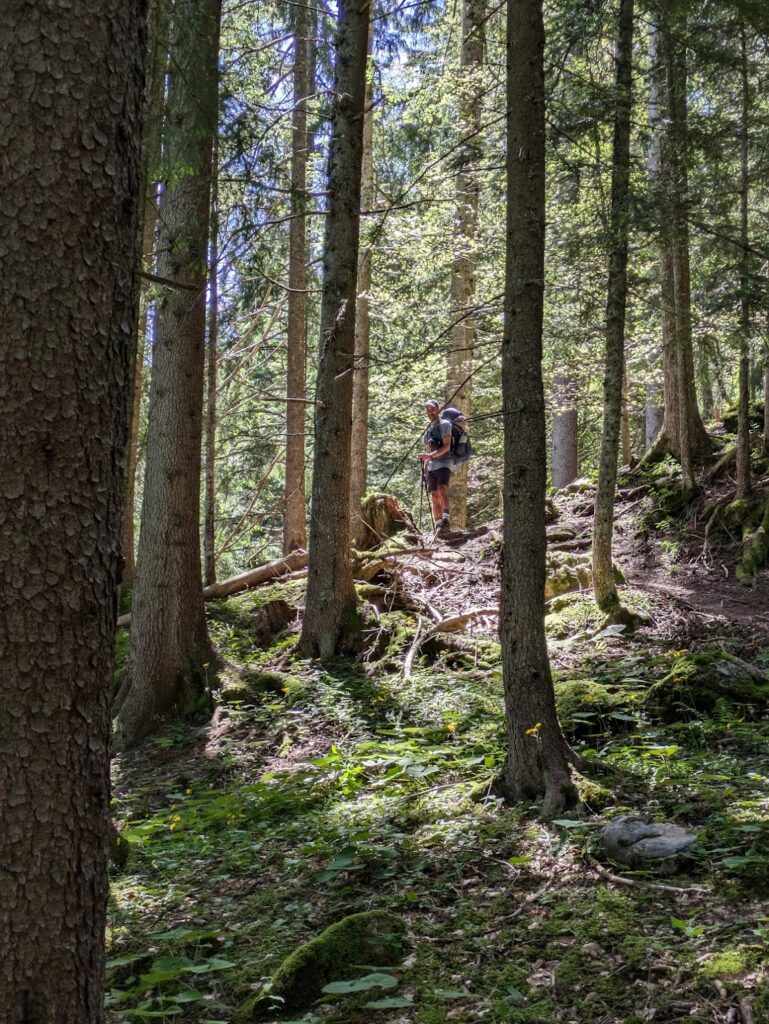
[{"x": 445, "y": 524}]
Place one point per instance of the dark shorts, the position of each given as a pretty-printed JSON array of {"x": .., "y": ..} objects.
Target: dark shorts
[{"x": 437, "y": 478}]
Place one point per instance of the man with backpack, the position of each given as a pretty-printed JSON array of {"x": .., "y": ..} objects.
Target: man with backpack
[{"x": 447, "y": 445}]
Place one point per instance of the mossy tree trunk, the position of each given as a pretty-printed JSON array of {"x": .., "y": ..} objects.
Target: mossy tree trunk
[
  {"x": 71, "y": 77},
  {"x": 537, "y": 755},
  {"x": 212, "y": 348},
  {"x": 683, "y": 434},
  {"x": 330, "y": 609},
  {"x": 169, "y": 639},
  {"x": 295, "y": 511},
  {"x": 743, "y": 413},
  {"x": 157, "y": 62},
  {"x": 603, "y": 571},
  {"x": 360, "y": 384},
  {"x": 463, "y": 270}
]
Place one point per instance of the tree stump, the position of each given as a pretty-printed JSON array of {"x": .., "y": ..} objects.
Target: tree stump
[{"x": 383, "y": 517}]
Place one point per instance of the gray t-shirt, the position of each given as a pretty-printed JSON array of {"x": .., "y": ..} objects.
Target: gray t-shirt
[{"x": 446, "y": 460}]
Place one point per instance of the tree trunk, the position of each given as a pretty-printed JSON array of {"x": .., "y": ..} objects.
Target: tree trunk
[
  {"x": 70, "y": 112},
  {"x": 536, "y": 766},
  {"x": 330, "y": 610},
  {"x": 360, "y": 382},
  {"x": 209, "y": 501},
  {"x": 169, "y": 641},
  {"x": 157, "y": 60},
  {"x": 565, "y": 455},
  {"x": 683, "y": 434},
  {"x": 627, "y": 448},
  {"x": 654, "y": 415},
  {"x": 603, "y": 570},
  {"x": 743, "y": 413},
  {"x": 294, "y": 527},
  {"x": 463, "y": 271},
  {"x": 766, "y": 401}
]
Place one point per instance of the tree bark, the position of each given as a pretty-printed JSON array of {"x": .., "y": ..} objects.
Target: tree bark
[
  {"x": 743, "y": 410},
  {"x": 157, "y": 61},
  {"x": 330, "y": 611},
  {"x": 536, "y": 765},
  {"x": 603, "y": 570},
  {"x": 209, "y": 501},
  {"x": 565, "y": 454},
  {"x": 169, "y": 640},
  {"x": 71, "y": 83},
  {"x": 360, "y": 381},
  {"x": 683, "y": 434},
  {"x": 294, "y": 526},
  {"x": 463, "y": 271},
  {"x": 654, "y": 416}
]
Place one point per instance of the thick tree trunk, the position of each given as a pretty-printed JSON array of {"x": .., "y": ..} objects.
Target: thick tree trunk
[
  {"x": 70, "y": 99},
  {"x": 463, "y": 271},
  {"x": 536, "y": 766},
  {"x": 766, "y": 401},
  {"x": 683, "y": 434},
  {"x": 603, "y": 570},
  {"x": 565, "y": 454},
  {"x": 330, "y": 607},
  {"x": 157, "y": 60},
  {"x": 209, "y": 501},
  {"x": 360, "y": 382},
  {"x": 169, "y": 641},
  {"x": 743, "y": 415},
  {"x": 294, "y": 525}
]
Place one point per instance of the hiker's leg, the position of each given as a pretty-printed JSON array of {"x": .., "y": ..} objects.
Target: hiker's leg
[
  {"x": 437, "y": 503},
  {"x": 444, "y": 499}
]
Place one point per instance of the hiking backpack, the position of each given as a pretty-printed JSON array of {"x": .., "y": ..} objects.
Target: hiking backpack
[{"x": 461, "y": 448}]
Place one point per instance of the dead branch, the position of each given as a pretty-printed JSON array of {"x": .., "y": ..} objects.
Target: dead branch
[
  {"x": 678, "y": 890},
  {"x": 280, "y": 567}
]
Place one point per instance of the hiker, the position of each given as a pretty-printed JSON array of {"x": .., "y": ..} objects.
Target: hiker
[{"x": 438, "y": 463}]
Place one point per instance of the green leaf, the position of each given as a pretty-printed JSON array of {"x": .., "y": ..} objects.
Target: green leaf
[
  {"x": 451, "y": 993},
  {"x": 391, "y": 1003},
  {"x": 363, "y": 984},
  {"x": 519, "y": 860}
]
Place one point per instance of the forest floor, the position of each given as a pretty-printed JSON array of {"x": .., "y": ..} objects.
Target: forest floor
[{"x": 320, "y": 792}]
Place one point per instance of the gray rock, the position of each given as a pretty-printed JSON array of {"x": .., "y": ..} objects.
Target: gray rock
[{"x": 635, "y": 842}]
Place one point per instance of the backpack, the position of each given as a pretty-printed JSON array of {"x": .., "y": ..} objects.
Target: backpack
[{"x": 461, "y": 447}]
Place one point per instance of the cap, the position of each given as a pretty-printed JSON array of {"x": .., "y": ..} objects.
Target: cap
[{"x": 433, "y": 401}]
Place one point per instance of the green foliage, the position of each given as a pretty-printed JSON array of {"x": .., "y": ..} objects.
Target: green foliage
[{"x": 708, "y": 683}]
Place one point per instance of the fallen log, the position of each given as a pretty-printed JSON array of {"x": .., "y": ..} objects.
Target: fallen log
[{"x": 245, "y": 580}]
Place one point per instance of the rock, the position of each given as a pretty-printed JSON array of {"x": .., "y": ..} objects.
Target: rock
[
  {"x": 375, "y": 938},
  {"x": 566, "y": 572},
  {"x": 559, "y": 534},
  {"x": 700, "y": 683},
  {"x": 249, "y": 685},
  {"x": 585, "y": 706},
  {"x": 636, "y": 842},
  {"x": 578, "y": 486}
]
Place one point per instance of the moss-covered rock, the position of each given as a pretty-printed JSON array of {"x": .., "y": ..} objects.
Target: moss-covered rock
[
  {"x": 703, "y": 683},
  {"x": 570, "y": 614},
  {"x": 568, "y": 570},
  {"x": 755, "y": 414},
  {"x": 374, "y": 938},
  {"x": 585, "y": 705},
  {"x": 250, "y": 685}
]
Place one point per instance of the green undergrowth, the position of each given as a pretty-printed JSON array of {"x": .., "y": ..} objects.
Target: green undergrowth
[{"x": 324, "y": 793}]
